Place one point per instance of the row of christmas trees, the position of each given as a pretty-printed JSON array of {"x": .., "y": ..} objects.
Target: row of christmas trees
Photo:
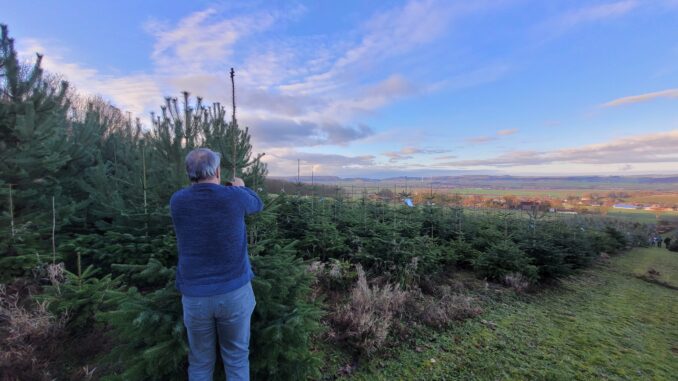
[{"x": 87, "y": 185}]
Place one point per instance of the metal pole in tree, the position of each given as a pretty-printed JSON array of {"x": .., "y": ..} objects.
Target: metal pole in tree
[{"x": 233, "y": 121}]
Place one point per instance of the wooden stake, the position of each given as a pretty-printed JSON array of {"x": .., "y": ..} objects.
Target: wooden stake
[
  {"x": 143, "y": 161},
  {"x": 11, "y": 211},
  {"x": 53, "y": 232},
  {"x": 79, "y": 270}
]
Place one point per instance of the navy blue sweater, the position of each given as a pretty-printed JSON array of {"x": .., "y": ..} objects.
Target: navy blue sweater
[{"x": 209, "y": 221}]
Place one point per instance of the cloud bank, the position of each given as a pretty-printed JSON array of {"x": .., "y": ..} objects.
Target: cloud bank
[{"x": 648, "y": 148}]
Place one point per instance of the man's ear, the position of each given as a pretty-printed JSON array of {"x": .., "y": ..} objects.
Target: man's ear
[{"x": 218, "y": 173}]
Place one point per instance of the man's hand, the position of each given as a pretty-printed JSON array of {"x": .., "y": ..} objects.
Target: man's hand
[{"x": 237, "y": 182}]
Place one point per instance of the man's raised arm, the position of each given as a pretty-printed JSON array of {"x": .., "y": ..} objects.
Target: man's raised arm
[{"x": 250, "y": 198}]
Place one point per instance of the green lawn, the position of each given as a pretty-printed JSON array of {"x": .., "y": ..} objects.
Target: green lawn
[{"x": 604, "y": 324}]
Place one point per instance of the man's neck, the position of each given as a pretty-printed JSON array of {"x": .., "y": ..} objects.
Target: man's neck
[{"x": 213, "y": 180}]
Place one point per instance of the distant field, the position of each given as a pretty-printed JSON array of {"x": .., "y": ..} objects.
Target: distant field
[
  {"x": 357, "y": 189},
  {"x": 558, "y": 193},
  {"x": 670, "y": 198},
  {"x": 644, "y": 216}
]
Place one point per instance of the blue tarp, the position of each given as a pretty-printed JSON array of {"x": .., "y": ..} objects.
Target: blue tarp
[{"x": 408, "y": 202}]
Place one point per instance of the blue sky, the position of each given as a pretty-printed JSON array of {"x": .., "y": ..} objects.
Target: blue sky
[{"x": 382, "y": 88}]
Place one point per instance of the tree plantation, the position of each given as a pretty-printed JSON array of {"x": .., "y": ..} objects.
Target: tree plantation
[{"x": 88, "y": 253}]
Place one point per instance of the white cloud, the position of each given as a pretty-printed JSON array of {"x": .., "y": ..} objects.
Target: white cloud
[
  {"x": 649, "y": 148},
  {"x": 577, "y": 17},
  {"x": 283, "y": 161},
  {"x": 203, "y": 38},
  {"x": 302, "y": 90},
  {"x": 507, "y": 132},
  {"x": 670, "y": 93},
  {"x": 595, "y": 13},
  {"x": 135, "y": 93},
  {"x": 408, "y": 152},
  {"x": 481, "y": 139},
  {"x": 489, "y": 138}
]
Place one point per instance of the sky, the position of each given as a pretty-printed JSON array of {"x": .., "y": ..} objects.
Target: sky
[{"x": 390, "y": 88}]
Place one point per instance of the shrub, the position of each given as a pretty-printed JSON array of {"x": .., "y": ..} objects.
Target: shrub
[
  {"x": 151, "y": 342},
  {"x": 617, "y": 238},
  {"x": 504, "y": 258},
  {"x": 441, "y": 309},
  {"x": 517, "y": 282},
  {"x": 466, "y": 254},
  {"x": 674, "y": 245},
  {"x": 335, "y": 275},
  {"x": 285, "y": 319},
  {"x": 365, "y": 320},
  {"x": 80, "y": 297}
]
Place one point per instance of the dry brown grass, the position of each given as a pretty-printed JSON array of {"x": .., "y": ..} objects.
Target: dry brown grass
[
  {"x": 375, "y": 313},
  {"x": 25, "y": 330},
  {"x": 517, "y": 281},
  {"x": 365, "y": 320},
  {"x": 442, "y": 308}
]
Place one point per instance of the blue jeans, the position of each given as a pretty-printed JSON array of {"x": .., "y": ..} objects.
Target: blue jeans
[{"x": 228, "y": 317}]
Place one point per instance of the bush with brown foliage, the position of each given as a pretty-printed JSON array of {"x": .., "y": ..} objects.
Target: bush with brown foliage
[
  {"x": 517, "y": 281},
  {"x": 364, "y": 321},
  {"x": 442, "y": 308}
]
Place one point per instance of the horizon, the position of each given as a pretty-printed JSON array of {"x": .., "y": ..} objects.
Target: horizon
[{"x": 404, "y": 88}]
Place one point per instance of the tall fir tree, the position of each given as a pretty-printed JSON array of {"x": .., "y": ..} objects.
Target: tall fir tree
[{"x": 40, "y": 150}]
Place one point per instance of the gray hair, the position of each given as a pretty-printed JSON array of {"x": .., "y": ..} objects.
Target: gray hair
[{"x": 202, "y": 163}]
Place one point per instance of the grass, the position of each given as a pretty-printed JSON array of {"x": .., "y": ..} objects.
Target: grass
[
  {"x": 643, "y": 216},
  {"x": 602, "y": 324},
  {"x": 661, "y": 260}
]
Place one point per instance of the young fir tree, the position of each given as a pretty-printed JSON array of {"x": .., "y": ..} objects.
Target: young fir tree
[
  {"x": 148, "y": 316},
  {"x": 38, "y": 153}
]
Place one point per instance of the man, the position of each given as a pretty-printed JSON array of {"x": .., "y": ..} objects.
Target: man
[{"x": 214, "y": 272}]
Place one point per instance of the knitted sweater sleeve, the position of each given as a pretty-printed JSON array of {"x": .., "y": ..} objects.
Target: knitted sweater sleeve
[{"x": 250, "y": 200}]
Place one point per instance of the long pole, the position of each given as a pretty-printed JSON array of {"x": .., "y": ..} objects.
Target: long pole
[
  {"x": 11, "y": 211},
  {"x": 233, "y": 121},
  {"x": 53, "y": 232},
  {"x": 143, "y": 161}
]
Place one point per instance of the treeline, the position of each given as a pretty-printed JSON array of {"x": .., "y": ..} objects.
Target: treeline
[
  {"x": 86, "y": 219},
  {"x": 302, "y": 189}
]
